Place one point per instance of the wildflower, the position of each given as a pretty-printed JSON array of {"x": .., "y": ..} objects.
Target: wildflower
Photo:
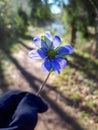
[{"x": 51, "y": 52}]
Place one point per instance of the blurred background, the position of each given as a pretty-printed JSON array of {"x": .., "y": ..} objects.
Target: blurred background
[{"x": 72, "y": 95}]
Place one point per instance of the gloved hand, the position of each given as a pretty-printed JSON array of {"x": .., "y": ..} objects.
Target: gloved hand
[{"x": 19, "y": 110}]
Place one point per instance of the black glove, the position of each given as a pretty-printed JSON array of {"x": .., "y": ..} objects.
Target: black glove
[{"x": 19, "y": 110}]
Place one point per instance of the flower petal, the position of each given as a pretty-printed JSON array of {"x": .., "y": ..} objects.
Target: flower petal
[
  {"x": 46, "y": 66},
  {"x": 37, "y": 41},
  {"x": 56, "y": 41},
  {"x": 48, "y": 40},
  {"x": 65, "y": 50},
  {"x": 55, "y": 66},
  {"x": 40, "y": 43},
  {"x": 48, "y": 35},
  {"x": 62, "y": 62},
  {"x": 42, "y": 53},
  {"x": 48, "y": 43},
  {"x": 37, "y": 54},
  {"x": 43, "y": 44}
]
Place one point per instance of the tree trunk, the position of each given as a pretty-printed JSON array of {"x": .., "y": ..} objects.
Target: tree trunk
[
  {"x": 73, "y": 33},
  {"x": 73, "y": 23},
  {"x": 96, "y": 33}
]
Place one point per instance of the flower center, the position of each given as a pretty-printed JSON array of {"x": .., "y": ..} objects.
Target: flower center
[{"x": 51, "y": 54}]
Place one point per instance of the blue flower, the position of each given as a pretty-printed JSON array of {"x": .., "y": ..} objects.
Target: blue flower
[{"x": 51, "y": 52}]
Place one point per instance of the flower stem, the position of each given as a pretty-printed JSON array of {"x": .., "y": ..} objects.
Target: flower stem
[{"x": 43, "y": 84}]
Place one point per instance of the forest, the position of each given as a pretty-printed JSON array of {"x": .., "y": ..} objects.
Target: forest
[{"x": 72, "y": 95}]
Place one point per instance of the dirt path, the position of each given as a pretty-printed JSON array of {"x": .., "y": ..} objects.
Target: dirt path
[
  {"x": 29, "y": 78},
  {"x": 25, "y": 74}
]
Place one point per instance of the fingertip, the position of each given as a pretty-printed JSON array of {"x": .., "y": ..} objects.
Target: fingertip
[
  {"x": 42, "y": 105},
  {"x": 39, "y": 102}
]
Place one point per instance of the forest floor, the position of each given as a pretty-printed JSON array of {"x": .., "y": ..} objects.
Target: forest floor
[{"x": 70, "y": 108}]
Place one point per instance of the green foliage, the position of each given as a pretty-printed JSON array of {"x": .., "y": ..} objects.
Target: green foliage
[
  {"x": 85, "y": 115},
  {"x": 22, "y": 20},
  {"x": 91, "y": 102},
  {"x": 76, "y": 96},
  {"x": 39, "y": 12},
  {"x": 13, "y": 23},
  {"x": 82, "y": 15}
]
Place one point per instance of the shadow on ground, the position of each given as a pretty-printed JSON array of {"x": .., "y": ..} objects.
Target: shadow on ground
[
  {"x": 86, "y": 65},
  {"x": 65, "y": 117},
  {"x": 70, "y": 102}
]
